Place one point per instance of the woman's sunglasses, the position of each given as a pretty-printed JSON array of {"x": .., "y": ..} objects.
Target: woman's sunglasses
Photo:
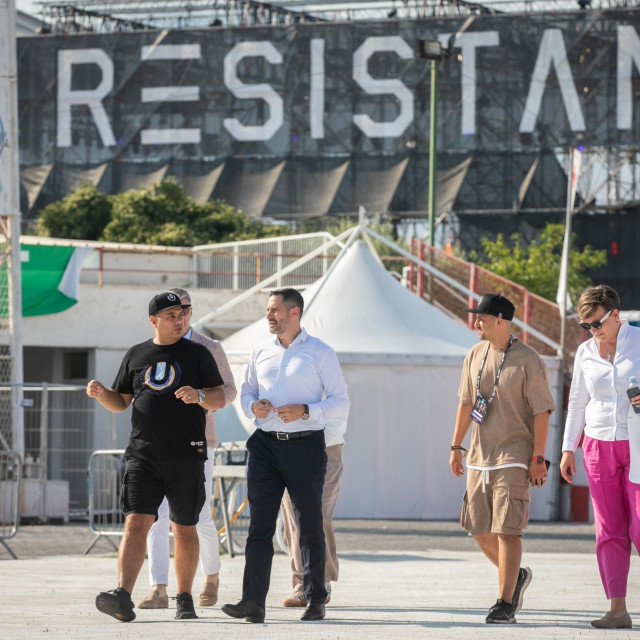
[{"x": 597, "y": 324}]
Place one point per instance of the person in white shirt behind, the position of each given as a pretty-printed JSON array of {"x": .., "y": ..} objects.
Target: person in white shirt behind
[
  {"x": 599, "y": 406},
  {"x": 334, "y": 438},
  {"x": 293, "y": 388}
]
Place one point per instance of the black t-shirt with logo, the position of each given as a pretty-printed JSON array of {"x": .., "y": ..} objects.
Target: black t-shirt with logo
[{"x": 163, "y": 427}]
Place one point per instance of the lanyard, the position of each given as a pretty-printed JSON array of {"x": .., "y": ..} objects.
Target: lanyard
[{"x": 498, "y": 372}]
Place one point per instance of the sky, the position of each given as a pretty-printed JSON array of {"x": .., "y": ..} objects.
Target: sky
[{"x": 28, "y": 6}]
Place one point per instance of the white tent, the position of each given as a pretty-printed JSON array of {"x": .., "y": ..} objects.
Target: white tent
[{"x": 402, "y": 359}]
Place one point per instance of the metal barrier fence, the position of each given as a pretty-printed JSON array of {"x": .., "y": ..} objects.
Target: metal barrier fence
[
  {"x": 241, "y": 265},
  {"x": 10, "y": 483},
  {"x": 105, "y": 473},
  {"x": 60, "y": 435}
]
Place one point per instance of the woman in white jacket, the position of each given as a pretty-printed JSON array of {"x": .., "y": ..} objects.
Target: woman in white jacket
[{"x": 599, "y": 406}]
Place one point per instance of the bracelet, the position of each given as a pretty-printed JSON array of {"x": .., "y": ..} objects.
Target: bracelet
[{"x": 458, "y": 448}]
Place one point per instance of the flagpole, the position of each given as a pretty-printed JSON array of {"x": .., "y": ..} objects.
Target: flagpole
[{"x": 561, "y": 299}]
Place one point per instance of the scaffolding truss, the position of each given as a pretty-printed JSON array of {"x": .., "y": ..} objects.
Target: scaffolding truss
[{"x": 117, "y": 15}]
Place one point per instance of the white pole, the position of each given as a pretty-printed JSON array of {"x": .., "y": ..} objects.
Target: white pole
[
  {"x": 561, "y": 299},
  {"x": 10, "y": 204},
  {"x": 563, "y": 280}
]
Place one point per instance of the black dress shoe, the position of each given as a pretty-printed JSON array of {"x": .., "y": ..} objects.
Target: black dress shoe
[
  {"x": 314, "y": 611},
  {"x": 246, "y": 609}
]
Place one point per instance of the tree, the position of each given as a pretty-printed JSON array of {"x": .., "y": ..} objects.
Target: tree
[
  {"x": 162, "y": 214},
  {"x": 537, "y": 266},
  {"x": 80, "y": 216}
]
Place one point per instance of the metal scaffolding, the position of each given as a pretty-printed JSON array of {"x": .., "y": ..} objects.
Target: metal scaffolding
[{"x": 117, "y": 15}]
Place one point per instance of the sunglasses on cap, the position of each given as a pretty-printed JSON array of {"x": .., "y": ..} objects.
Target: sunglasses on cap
[{"x": 597, "y": 324}]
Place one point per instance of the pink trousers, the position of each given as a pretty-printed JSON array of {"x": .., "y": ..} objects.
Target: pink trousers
[{"x": 616, "y": 509}]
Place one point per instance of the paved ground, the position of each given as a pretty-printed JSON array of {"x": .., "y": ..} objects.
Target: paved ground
[
  {"x": 398, "y": 579},
  {"x": 34, "y": 541},
  {"x": 405, "y": 594}
]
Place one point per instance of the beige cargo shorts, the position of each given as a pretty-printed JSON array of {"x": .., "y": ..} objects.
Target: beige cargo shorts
[{"x": 503, "y": 506}]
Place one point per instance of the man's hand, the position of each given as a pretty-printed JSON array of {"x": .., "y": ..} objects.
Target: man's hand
[
  {"x": 261, "y": 408},
  {"x": 108, "y": 398},
  {"x": 568, "y": 465},
  {"x": 188, "y": 395},
  {"x": 94, "y": 389},
  {"x": 537, "y": 473},
  {"x": 455, "y": 462},
  {"x": 290, "y": 412}
]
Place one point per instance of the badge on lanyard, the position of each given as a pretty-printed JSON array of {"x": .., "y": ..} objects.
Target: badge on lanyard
[
  {"x": 479, "y": 410},
  {"x": 481, "y": 405}
]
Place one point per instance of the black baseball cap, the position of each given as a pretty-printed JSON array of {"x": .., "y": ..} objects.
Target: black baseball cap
[
  {"x": 164, "y": 301},
  {"x": 493, "y": 304}
]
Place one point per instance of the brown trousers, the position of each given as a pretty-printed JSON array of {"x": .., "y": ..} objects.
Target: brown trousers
[{"x": 329, "y": 498}]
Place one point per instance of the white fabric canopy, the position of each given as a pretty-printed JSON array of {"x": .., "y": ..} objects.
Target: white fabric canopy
[
  {"x": 362, "y": 309},
  {"x": 402, "y": 360}
]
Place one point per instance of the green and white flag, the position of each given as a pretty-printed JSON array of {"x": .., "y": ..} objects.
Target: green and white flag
[{"x": 50, "y": 278}]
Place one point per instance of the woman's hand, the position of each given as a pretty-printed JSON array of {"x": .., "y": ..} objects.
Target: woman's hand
[{"x": 568, "y": 466}]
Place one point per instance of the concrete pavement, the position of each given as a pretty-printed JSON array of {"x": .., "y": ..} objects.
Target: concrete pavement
[{"x": 401, "y": 594}]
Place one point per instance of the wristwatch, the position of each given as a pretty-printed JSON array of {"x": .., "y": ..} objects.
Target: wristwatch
[
  {"x": 201, "y": 396},
  {"x": 305, "y": 415},
  {"x": 538, "y": 459}
]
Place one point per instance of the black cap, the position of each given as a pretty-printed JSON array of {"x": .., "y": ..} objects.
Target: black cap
[
  {"x": 493, "y": 304},
  {"x": 164, "y": 301}
]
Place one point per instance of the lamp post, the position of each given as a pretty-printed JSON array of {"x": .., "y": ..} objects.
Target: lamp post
[{"x": 432, "y": 50}]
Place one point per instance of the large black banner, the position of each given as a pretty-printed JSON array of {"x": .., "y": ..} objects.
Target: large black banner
[{"x": 311, "y": 119}]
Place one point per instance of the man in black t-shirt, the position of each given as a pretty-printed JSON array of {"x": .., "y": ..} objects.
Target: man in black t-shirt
[{"x": 171, "y": 383}]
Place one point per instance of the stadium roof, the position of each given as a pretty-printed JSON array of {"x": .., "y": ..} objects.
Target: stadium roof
[{"x": 108, "y": 15}]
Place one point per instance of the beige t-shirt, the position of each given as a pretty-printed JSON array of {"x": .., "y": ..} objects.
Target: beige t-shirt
[{"x": 506, "y": 433}]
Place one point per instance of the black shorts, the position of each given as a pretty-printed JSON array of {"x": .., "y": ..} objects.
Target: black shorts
[{"x": 146, "y": 483}]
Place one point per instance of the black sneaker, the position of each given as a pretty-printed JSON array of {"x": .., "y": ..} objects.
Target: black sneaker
[
  {"x": 524, "y": 579},
  {"x": 184, "y": 607},
  {"x": 116, "y": 603},
  {"x": 501, "y": 613}
]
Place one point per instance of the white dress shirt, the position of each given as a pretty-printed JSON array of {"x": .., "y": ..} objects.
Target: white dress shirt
[
  {"x": 598, "y": 402},
  {"x": 307, "y": 372}
]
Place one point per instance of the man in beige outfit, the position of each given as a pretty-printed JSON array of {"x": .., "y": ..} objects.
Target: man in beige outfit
[
  {"x": 334, "y": 439},
  {"x": 506, "y": 401},
  {"x": 158, "y": 537}
]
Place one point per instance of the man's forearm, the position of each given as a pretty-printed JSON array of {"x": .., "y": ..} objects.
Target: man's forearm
[
  {"x": 463, "y": 422},
  {"x": 112, "y": 400},
  {"x": 540, "y": 432},
  {"x": 214, "y": 398}
]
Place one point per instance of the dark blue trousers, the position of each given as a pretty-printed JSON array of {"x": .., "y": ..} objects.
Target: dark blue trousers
[{"x": 298, "y": 466}]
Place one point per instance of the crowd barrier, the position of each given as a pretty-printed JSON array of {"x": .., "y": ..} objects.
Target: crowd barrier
[
  {"x": 105, "y": 473},
  {"x": 106, "y": 469},
  {"x": 10, "y": 481}
]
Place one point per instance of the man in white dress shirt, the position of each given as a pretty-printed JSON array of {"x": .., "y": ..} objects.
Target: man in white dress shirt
[{"x": 292, "y": 388}]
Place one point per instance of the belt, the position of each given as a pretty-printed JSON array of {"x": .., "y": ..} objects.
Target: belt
[{"x": 284, "y": 435}]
